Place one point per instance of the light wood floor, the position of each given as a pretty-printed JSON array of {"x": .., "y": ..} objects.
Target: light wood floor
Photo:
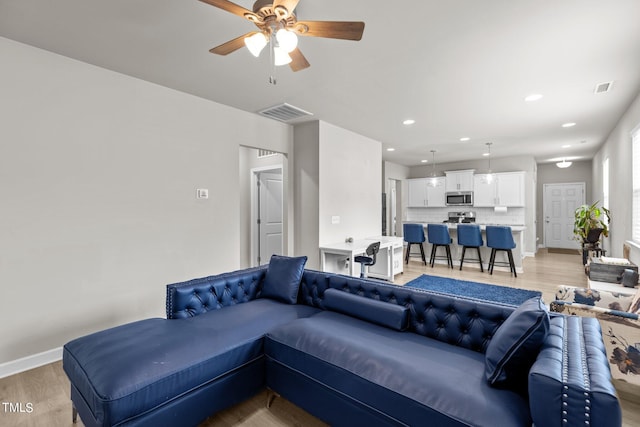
[{"x": 47, "y": 387}]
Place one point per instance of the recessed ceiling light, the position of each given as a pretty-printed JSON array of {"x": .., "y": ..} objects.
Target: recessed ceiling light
[
  {"x": 486, "y": 154},
  {"x": 408, "y": 122},
  {"x": 568, "y": 125},
  {"x": 465, "y": 139},
  {"x": 391, "y": 149},
  {"x": 566, "y": 146},
  {"x": 533, "y": 97},
  {"x": 424, "y": 161}
]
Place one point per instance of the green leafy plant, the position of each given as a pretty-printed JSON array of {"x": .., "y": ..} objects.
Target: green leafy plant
[{"x": 590, "y": 217}]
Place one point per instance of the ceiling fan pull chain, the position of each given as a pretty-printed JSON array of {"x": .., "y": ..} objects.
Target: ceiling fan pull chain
[{"x": 272, "y": 60}]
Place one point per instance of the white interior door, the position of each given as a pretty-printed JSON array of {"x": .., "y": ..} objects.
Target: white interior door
[
  {"x": 559, "y": 204},
  {"x": 270, "y": 216}
]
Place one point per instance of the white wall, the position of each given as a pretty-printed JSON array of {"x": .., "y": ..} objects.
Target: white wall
[
  {"x": 336, "y": 173},
  {"x": 306, "y": 176},
  {"x": 618, "y": 149},
  {"x": 98, "y": 173},
  {"x": 350, "y": 176}
]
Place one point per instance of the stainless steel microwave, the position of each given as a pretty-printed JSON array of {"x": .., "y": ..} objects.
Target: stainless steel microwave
[{"x": 460, "y": 198}]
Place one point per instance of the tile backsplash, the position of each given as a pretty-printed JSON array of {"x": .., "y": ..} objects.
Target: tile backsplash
[{"x": 512, "y": 216}]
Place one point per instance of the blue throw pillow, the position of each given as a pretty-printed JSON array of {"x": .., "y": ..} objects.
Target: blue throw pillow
[
  {"x": 283, "y": 277},
  {"x": 515, "y": 346}
]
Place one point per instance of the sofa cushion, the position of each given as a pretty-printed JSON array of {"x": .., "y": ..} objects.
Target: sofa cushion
[
  {"x": 382, "y": 313},
  {"x": 411, "y": 378},
  {"x": 515, "y": 345},
  {"x": 283, "y": 277}
]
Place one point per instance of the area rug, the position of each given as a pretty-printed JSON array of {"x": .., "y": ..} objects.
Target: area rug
[{"x": 483, "y": 291}]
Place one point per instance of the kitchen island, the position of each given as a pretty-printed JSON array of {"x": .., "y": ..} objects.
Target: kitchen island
[{"x": 501, "y": 257}]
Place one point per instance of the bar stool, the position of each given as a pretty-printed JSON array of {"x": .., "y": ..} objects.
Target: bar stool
[
  {"x": 500, "y": 238},
  {"x": 438, "y": 235},
  {"x": 469, "y": 236},
  {"x": 414, "y": 234},
  {"x": 368, "y": 259}
]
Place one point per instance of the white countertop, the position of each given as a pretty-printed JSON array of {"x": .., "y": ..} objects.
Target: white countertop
[{"x": 452, "y": 226}]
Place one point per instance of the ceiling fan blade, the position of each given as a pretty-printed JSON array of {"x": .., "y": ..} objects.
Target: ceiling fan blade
[
  {"x": 345, "y": 30},
  {"x": 290, "y": 5},
  {"x": 232, "y": 7},
  {"x": 298, "y": 61},
  {"x": 231, "y": 45}
]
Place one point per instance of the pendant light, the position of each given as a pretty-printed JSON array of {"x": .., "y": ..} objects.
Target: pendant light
[
  {"x": 433, "y": 181},
  {"x": 489, "y": 173}
]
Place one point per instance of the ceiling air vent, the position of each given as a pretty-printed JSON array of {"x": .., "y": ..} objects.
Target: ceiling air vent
[
  {"x": 284, "y": 112},
  {"x": 603, "y": 87},
  {"x": 265, "y": 153}
]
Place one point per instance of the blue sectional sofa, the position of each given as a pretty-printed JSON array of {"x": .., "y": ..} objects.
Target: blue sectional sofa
[{"x": 350, "y": 351}]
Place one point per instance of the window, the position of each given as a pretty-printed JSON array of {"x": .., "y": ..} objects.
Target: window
[{"x": 635, "y": 213}]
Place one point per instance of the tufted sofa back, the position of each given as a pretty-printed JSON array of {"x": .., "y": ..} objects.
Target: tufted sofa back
[
  {"x": 197, "y": 296},
  {"x": 464, "y": 322}
]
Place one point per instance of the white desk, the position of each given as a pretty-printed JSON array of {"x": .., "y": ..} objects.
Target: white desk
[{"x": 338, "y": 257}]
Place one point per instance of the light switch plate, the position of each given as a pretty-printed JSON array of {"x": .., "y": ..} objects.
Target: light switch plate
[
  {"x": 202, "y": 193},
  {"x": 335, "y": 219}
]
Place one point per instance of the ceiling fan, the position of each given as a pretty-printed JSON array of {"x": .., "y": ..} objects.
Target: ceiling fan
[{"x": 278, "y": 26}]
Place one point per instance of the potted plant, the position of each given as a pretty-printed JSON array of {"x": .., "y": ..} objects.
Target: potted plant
[{"x": 588, "y": 220}]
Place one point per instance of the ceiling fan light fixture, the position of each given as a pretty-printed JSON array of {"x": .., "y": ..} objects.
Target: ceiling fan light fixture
[
  {"x": 255, "y": 43},
  {"x": 287, "y": 40},
  {"x": 280, "y": 56}
]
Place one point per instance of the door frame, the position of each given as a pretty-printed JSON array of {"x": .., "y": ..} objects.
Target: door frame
[
  {"x": 544, "y": 205},
  {"x": 255, "y": 203}
]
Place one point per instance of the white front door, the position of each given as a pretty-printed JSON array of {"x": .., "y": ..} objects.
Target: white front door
[
  {"x": 270, "y": 216},
  {"x": 559, "y": 205}
]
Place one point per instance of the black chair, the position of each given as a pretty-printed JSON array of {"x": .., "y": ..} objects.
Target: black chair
[{"x": 369, "y": 259}]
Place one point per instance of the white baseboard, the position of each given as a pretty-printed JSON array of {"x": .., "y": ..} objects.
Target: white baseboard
[{"x": 35, "y": 360}]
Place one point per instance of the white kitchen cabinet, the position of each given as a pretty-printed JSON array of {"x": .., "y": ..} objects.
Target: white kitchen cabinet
[
  {"x": 426, "y": 192},
  {"x": 510, "y": 191},
  {"x": 498, "y": 189},
  {"x": 484, "y": 190},
  {"x": 417, "y": 189},
  {"x": 459, "y": 180}
]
